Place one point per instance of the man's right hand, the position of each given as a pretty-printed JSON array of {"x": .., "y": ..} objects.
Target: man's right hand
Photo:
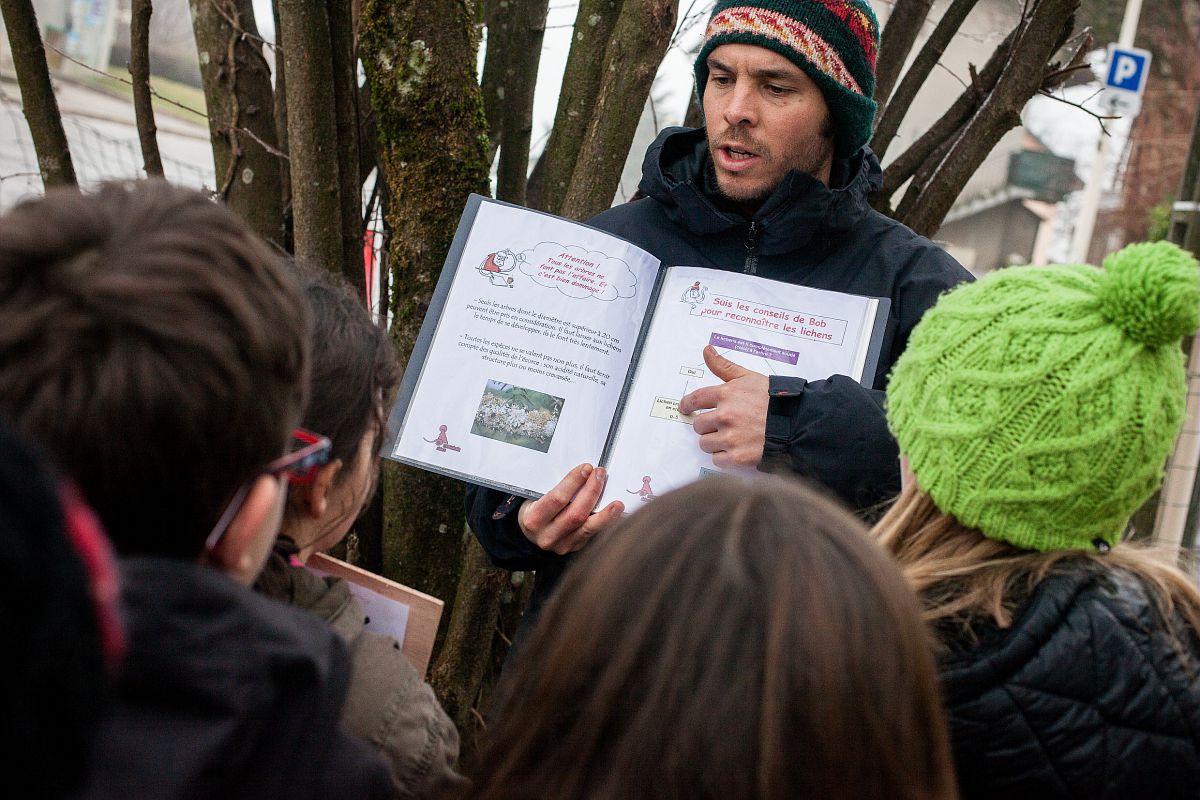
[{"x": 561, "y": 520}]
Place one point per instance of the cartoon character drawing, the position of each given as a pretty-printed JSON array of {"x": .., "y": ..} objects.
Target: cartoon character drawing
[
  {"x": 645, "y": 494},
  {"x": 442, "y": 442},
  {"x": 497, "y": 265},
  {"x": 693, "y": 295}
]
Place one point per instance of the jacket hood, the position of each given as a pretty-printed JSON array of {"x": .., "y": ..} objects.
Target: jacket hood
[
  {"x": 327, "y": 597},
  {"x": 224, "y": 695},
  {"x": 198, "y": 633},
  {"x": 677, "y": 173}
]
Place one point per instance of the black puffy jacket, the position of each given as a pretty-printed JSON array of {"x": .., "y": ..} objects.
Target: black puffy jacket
[
  {"x": 805, "y": 233},
  {"x": 1087, "y": 694}
]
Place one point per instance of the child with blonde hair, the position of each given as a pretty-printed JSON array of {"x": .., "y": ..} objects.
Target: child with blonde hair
[{"x": 1035, "y": 410}]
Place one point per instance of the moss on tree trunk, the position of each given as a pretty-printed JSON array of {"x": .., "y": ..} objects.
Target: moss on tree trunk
[{"x": 420, "y": 61}]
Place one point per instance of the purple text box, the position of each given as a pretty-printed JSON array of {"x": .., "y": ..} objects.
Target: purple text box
[{"x": 753, "y": 348}]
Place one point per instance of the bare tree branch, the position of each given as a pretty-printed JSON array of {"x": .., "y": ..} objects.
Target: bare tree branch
[
  {"x": 903, "y": 26},
  {"x": 238, "y": 29},
  {"x": 1043, "y": 31},
  {"x": 630, "y": 62},
  {"x": 238, "y": 95},
  {"x": 280, "y": 110},
  {"x": 594, "y": 25},
  {"x": 1077, "y": 61},
  {"x": 38, "y": 102},
  {"x": 264, "y": 145},
  {"x": 139, "y": 71},
  {"x": 901, "y": 100},
  {"x": 127, "y": 82},
  {"x": 497, "y": 19},
  {"x": 908, "y": 162},
  {"x": 1100, "y": 118},
  {"x": 524, "y": 46},
  {"x": 344, "y": 61}
]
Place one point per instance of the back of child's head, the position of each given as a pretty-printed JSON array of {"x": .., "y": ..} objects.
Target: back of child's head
[
  {"x": 59, "y": 622},
  {"x": 156, "y": 347},
  {"x": 354, "y": 365},
  {"x": 1039, "y": 404},
  {"x": 733, "y": 639}
]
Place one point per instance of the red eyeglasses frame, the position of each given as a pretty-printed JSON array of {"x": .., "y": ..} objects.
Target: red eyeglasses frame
[{"x": 300, "y": 467}]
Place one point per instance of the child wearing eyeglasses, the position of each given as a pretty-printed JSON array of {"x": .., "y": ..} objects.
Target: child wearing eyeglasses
[
  {"x": 354, "y": 372},
  {"x": 158, "y": 350}
]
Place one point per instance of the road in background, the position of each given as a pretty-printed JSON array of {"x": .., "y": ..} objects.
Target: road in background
[{"x": 103, "y": 138}]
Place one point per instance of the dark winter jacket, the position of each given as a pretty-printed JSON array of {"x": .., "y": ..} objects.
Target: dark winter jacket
[
  {"x": 225, "y": 694},
  {"x": 833, "y": 430},
  {"x": 1085, "y": 695},
  {"x": 388, "y": 705}
]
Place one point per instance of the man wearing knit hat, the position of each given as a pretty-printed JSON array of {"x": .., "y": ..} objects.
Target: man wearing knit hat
[{"x": 776, "y": 185}]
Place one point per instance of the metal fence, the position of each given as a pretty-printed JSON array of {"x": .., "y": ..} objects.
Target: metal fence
[{"x": 100, "y": 150}]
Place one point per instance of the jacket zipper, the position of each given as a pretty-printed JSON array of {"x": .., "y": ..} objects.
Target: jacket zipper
[{"x": 752, "y": 250}]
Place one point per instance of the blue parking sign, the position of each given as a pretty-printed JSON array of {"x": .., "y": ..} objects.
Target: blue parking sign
[{"x": 1127, "y": 68}]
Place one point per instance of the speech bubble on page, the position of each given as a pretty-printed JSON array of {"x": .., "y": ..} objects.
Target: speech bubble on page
[{"x": 577, "y": 272}]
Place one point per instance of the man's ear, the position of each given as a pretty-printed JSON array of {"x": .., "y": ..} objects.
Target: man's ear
[
  {"x": 314, "y": 496},
  {"x": 243, "y": 549}
]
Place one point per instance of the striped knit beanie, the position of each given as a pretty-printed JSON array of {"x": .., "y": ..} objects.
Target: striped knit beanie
[
  {"x": 834, "y": 41},
  {"x": 1039, "y": 404}
]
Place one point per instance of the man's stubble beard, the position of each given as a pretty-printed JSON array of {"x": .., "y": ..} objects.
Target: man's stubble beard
[{"x": 817, "y": 151}]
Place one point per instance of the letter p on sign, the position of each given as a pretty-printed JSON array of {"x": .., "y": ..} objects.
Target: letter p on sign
[
  {"x": 1125, "y": 79},
  {"x": 1123, "y": 69},
  {"x": 1127, "y": 67}
]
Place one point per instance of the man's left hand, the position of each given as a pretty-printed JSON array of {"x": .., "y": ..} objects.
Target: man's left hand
[{"x": 735, "y": 430}]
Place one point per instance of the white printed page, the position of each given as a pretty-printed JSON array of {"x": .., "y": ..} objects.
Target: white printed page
[
  {"x": 764, "y": 325},
  {"x": 383, "y": 614},
  {"x": 522, "y": 379}
]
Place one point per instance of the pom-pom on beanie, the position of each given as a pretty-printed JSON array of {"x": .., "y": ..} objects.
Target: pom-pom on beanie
[
  {"x": 1039, "y": 404},
  {"x": 835, "y": 42}
]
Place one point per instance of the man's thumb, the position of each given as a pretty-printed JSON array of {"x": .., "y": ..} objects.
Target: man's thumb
[{"x": 721, "y": 366}]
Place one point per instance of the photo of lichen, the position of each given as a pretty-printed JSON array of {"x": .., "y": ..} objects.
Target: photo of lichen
[{"x": 516, "y": 415}]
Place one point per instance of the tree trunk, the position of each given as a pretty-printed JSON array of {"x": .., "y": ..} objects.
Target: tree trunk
[
  {"x": 241, "y": 120},
  {"x": 631, "y": 60},
  {"x": 458, "y": 673},
  {"x": 139, "y": 73},
  {"x": 594, "y": 24},
  {"x": 345, "y": 95},
  {"x": 896, "y": 42},
  {"x": 312, "y": 133},
  {"x": 285, "y": 173},
  {"x": 898, "y": 105},
  {"x": 694, "y": 116},
  {"x": 420, "y": 60},
  {"x": 1044, "y": 30},
  {"x": 38, "y": 102},
  {"x": 493, "y": 86},
  {"x": 524, "y": 48}
]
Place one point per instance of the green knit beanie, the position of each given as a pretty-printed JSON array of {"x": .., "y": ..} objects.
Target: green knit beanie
[
  {"x": 834, "y": 41},
  {"x": 1039, "y": 404}
]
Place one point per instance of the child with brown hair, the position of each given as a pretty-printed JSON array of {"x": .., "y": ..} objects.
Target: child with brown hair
[
  {"x": 354, "y": 373},
  {"x": 159, "y": 351},
  {"x": 731, "y": 640}
]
